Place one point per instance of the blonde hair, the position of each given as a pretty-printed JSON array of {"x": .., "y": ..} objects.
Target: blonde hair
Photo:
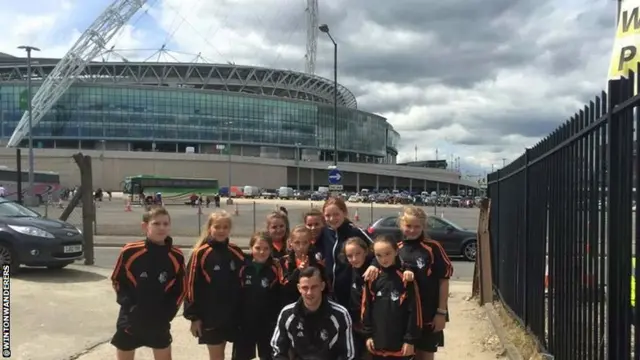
[
  {"x": 300, "y": 230},
  {"x": 279, "y": 215},
  {"x": 214, "y": 218},
  {"x": 413, "y": 212}
]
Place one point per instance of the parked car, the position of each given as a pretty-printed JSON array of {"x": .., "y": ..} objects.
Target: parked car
[
  {"x": 455, "y": 240},
  {"x": 27, "y": 238}
]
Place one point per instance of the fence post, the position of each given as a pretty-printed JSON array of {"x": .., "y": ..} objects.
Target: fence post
[{"x": 525, "y": 231}]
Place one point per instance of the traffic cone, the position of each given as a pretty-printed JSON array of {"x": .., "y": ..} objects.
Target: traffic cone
[
  {"x": 442, "y": 215},
  {"x": 127, "y": 206},
  {"x": 356, "y": 216},
  {"x": 236, "y": 212}
]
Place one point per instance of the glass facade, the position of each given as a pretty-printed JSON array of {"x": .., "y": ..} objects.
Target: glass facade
[{"x": 103, "y": 112}]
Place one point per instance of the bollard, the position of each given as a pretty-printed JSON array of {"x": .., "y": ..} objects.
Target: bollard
[
  {"x": 442, "y": 215},
  {"x": 356, "y": 216},
  {"x": 371, "y": 214},
  {"x": 236, "y": 212},
  {"x": 254, "y": 216},
  {"x": 46, "y": 210},
  {"x": 95, "y": 219}
]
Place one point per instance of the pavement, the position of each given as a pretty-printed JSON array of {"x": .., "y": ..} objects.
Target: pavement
[
  {"x": 70, "y": 315},
  {"x": 249, "y": 216}
]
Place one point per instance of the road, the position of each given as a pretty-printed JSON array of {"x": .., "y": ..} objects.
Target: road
[{"x": 106, "y": 258}]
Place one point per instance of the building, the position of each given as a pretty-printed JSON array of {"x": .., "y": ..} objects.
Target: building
[
  {"x": 169, "y": 107},
  {"x": 134, "y": 114}
]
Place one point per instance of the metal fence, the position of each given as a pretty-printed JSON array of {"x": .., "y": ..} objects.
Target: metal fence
[
  {"x": 563, "y": 231},
  {"x": 115, "y": 218}
]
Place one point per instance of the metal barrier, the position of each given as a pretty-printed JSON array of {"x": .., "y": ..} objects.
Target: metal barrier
[{"x": 563, "y": 217}]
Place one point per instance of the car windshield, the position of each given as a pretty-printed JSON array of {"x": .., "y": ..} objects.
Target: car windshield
[{"x": 12, "y": 209}]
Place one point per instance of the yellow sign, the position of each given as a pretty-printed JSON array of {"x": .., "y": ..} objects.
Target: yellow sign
[{"x": 626, "y": 48}]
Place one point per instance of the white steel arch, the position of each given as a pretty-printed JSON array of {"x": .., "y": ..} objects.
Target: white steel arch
[
  {"x": 312, "y": 36},
  {"x": 92, "y": 42}
]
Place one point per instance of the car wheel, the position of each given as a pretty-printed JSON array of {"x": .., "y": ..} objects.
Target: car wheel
[
  {"x": 469, "y": 250},
  {"x": 7, "y": 257}
]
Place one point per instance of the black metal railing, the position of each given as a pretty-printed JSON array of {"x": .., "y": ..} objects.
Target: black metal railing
[{"x": 563, "y": 231}]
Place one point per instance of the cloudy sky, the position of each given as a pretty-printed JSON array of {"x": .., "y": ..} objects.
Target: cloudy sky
[{"x": 475, "y": 79}]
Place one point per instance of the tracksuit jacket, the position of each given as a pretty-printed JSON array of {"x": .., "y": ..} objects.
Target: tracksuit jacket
[
  {"x": 324, "y": 334},
  {"x": 214, "y": 290},
  {"x": 330, "y": 248},
  {"x": 149, "y": 280}
]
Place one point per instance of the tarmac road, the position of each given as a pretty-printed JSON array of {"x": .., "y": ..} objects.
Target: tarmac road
[{"x": 105, "y": 257}]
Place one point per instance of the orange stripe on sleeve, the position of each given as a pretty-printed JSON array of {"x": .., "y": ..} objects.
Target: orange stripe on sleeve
[
  {"x": 418, "y": 305},
  {"x": 191, "y": 275},
  {"x": 445, "y": 258}
]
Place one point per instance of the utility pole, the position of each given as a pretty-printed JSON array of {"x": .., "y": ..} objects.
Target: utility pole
[{"x": 416, "y": 153}]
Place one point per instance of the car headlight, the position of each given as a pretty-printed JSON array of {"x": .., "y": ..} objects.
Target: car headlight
[
  {"x": 31, "y": 231},
  {"x": 79, "y": 231}
]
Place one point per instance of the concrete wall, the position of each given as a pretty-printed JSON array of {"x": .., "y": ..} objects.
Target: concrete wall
[{"x": 110, "y": 169}]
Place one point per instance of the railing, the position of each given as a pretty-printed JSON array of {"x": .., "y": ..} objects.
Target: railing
[{"x": 563, "y": 231}]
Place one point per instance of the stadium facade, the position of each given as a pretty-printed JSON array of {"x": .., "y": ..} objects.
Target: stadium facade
[{"x": 200, "y": 108}]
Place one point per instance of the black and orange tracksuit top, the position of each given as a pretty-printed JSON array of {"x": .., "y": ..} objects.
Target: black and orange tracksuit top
[
  {"x": 430, "y": 264},
  {"x": 357, "y": 286},
  {"x": 214, "y": 289},
  {"x": 150, "y": 283},
  {"x": 261, "y": 287},
  {"x": 391, "y": 313},
  {"x": 291, "y": 276}
]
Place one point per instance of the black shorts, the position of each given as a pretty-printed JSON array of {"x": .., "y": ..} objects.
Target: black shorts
[
  {"x": 430, "y": 341},
  {"x": 244, "y": 347},
  {"x": 126, "y": 341},
  {"x": 217, "y": 336}
]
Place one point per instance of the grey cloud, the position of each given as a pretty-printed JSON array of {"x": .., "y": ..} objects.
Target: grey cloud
[{"x": 465, "y": 42}]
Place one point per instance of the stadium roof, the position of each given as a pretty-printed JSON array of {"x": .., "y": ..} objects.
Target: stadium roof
[{"x": 202, "y": 76}]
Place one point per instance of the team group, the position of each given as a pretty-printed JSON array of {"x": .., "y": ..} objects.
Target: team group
[{"x": 322, "y": 290}]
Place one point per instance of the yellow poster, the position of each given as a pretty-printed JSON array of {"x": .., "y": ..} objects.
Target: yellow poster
[{"x": 626, "y": 46}]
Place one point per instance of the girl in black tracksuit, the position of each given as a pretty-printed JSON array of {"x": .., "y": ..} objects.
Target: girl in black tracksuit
[
  {"x": 391, "y": 313},
  {"x": 298, "y": 258},
  {"x": 260, "y": 278},
  {"x": 278, "y": 230},
  {"x": 359, "y": 255},
  {"x": 338, "y": 230},
  {"x": 214, "y": 289}
]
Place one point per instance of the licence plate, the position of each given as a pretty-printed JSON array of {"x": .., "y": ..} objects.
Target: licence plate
[{"x": 72, "y": 248}]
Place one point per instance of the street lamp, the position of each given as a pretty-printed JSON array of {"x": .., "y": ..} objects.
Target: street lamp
[
  {"x": 31, "y": 195},
  {"x": 229, "y": 123},
  {"x": 325, "y": 29},
  {"x": 298, "y": 166}
]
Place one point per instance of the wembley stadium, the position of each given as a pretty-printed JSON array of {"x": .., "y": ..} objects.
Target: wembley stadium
[{"x": 197, "y": 107}]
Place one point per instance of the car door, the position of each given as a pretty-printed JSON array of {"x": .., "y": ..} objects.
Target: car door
[
  {"x": 442, "y": 232},
  {"x": 389, "y": 226}
]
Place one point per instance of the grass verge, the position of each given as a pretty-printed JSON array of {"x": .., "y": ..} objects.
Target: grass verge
[{"x": 517, "y": 335}]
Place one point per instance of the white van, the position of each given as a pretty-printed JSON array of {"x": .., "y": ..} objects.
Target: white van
[
  {"x": 285, "y": 193},
  {"x": 251, "y": 192}
]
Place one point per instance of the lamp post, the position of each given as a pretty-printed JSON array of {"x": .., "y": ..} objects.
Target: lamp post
[
  {"x": 31, "y": 195},
  {"x": 325, "y": 29},
  {"x": 229, "y": 123},
  {"x": 298, "y": 166}
]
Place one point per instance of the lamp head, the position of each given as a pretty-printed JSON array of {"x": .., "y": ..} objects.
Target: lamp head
[{"x": 324, "y": 28}]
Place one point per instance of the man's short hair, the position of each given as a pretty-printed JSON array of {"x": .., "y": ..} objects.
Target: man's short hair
[{"x": 310, "y": 272}]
